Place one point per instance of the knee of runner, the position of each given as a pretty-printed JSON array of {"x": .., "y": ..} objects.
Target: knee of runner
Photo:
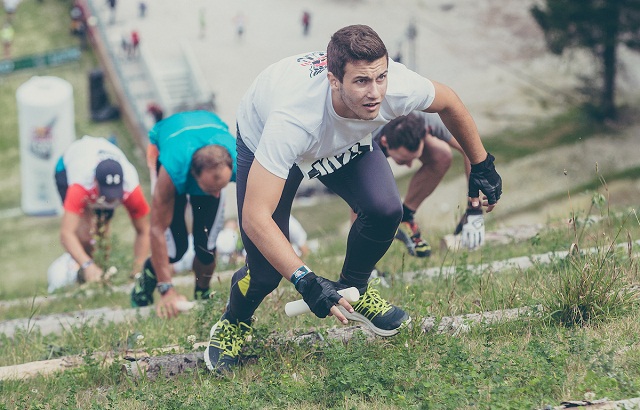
[
  {"x": 382, "y": 218},
  {"x": 444, "y": 160}
]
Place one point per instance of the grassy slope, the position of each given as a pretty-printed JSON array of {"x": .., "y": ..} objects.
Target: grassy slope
[
  {"x": 28, "y": 245},
  {"x": 515, "y": 365}
]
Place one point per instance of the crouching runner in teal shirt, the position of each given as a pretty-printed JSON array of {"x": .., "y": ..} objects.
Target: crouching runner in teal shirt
[{"x": 193, "y": 157}]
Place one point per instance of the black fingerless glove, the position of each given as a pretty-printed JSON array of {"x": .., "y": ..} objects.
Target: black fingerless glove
[
  {"x": 484, "y": 178},
  {"x": 319, "y": 293}
]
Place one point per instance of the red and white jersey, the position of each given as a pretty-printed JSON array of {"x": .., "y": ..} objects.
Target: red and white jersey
[{"x": 80, "y": 161}]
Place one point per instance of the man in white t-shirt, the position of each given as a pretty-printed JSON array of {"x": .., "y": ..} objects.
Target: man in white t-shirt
[{"x": 312, "y": 116}]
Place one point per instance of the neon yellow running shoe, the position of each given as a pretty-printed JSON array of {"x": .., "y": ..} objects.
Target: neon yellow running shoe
[
  {"x": 225, "y": 342},
  {"x": 383, "y": 318}
]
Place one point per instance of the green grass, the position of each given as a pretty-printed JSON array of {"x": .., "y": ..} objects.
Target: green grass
[
  {"x": 570, "y": 127},
  {"x": 524, "y": 364}
]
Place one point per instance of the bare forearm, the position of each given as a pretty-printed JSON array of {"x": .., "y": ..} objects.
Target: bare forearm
[
  {"x": 273, "y": 245},
  {"x": 159, "y": 255},
  {"x": 459, "y": 122},
  {"x": 73, "y": 245},
  {"x": 140, "y": 250}
]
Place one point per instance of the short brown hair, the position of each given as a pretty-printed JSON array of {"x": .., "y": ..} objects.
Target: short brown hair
[
  {"x": 210, "y": 156},
  {"x": 353, "y": 43},
  {"x": 405, "y": 131}
]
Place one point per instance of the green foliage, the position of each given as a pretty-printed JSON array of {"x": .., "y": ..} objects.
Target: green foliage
[
  {"x": 600, "y": 27},
  {"x": 589, "y": 287}
]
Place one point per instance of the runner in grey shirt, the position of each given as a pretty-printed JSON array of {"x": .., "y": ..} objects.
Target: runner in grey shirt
[{"x": 423, "y": 136}]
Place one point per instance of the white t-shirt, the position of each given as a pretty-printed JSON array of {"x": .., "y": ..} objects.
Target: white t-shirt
[
  {"x": 286, "y": 117},
  {"x": 83, "y": 155}
]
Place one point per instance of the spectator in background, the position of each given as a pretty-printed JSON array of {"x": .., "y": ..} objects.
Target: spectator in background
[
  {"x": 93, "y": 178},
  {"x": 10, "y": 7},
  {"x": 306, "y": 20},
  {"x": 202, "y": 20},
  {"x": 112, "y": 10},
  {"x": 125, "y": 44},
  {"x": 135, "y": 43},
  {"x": 142, "y": 9},
  {"x": 239, "y": 23},
  {"x": 7, "y": 34},
  {"x": 79, "y": 25}
]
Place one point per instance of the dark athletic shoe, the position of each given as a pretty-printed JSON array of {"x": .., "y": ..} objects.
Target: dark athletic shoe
[
  {"x": 202, "y": 294},
  {"x": 377, "y": 314},
  {"x": 144, "y": 285},
  {"x": 409, "y": 234},
  {"x": 225, "y": 342}
]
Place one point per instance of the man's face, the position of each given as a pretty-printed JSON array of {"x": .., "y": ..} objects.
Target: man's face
[
  {"x": 403, "y": 156},
  {"x": 212, "y": 180},
  {"x": 362, "y": 89},
  {"x": 102, "y": 200}
]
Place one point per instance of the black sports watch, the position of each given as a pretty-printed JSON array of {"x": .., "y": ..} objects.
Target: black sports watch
[{"x": 163, "y": 287}]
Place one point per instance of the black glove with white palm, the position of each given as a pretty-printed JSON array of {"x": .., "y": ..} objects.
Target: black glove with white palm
[
  {"x": 483, "y": 177},
  {"x": 471, "y": 228}
]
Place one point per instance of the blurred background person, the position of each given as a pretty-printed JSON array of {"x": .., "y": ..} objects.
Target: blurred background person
[{"x": 93, "y": 178}]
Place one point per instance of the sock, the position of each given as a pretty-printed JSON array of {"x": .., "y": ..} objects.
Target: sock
[{"x": 407, "y": 214}]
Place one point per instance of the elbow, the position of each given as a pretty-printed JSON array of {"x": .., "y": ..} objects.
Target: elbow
[{"x": 250, "y": 228}]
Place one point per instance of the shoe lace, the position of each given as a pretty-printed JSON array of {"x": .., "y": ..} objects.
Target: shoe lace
[
  {"x": 371, "y": 304},
  {"x": 230, "y": 338}
]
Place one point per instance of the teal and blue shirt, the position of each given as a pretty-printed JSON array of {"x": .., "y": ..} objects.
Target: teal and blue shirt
[{"x": 179, "y": 136}]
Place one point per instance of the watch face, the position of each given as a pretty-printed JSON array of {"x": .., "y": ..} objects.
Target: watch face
[{"x": 164, "y": 288}]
